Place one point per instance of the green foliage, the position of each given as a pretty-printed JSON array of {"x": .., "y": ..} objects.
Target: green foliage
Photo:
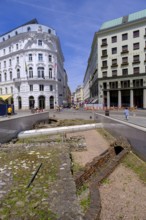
[{"x": 85, "y": 203}]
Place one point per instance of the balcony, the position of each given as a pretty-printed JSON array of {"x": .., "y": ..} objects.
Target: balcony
[
  {"x": 125, "y": 51},
  {"x": 114, "y": 65},
  {"x": 124, "y": 64},
  {"x": 104, "y": 44},
  {"x": 104, "y": 67},
  {"x": 104, "y": 56},
  {"x": 136, "y": 62},
  {"x": 35, "y": 78}
]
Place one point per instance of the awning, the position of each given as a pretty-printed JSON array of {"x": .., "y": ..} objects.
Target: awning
[{"x": 5, "y": 97}]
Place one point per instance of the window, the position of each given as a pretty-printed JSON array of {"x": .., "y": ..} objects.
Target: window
[
  {"x": 30, "y": 71},
  {"x": 124, "y": 36},
  {"x": 125, "y": 72},
  {"x": 0, "y": 77},
  {"x": 11, "y": 89},
  {"x": 4, "y": 64},
  {"x": 10, "y": 75},
  {"x": 9, "y": 49},
  {"x": 40, "y": 57},
  {"x": 18, "y": 73},
  {"x": 28, "y": 29},
  {"x": 114, "y": 62},
  {"x": 50, "y": 58},
  {"x": 40, "y": 72},
  {"x": 125, "y": 84},
  {"x": 31, "y": 87},
  {"x": 3, "y": 39},
  {"x": 16, "y": 32},
  {"x": 17, "y": 60},
  {"x": 49, "y": 31},
  {"x": 125, "y": 48},
  {"x": 41, "y": 87},
  {"x": 17, "y": 46},
  {"x": 136, "y": 58},
  {"x": 104, "y": 63},
  {"x": 50, "y": 73},
  {"x": 104, "y": 42},
  {"x": 136, "y": 70},
  {"x": 114, "y": 39},
  {"x": 114, "y": 72},
  {"x": 124, "y": 60},
  {"x": 18, "y": 88},
  {"x": 10, "y": 62},
  {"x": 136, "y": 46},
  {"x": 104, "y": 53},
  {"x": 114, "y": 50},
  {"x": 104, "y": 74},
  {"x": 30, "y": 57},
  {"x": 136, "y": 33},
  {"x": 40, "y": 43},
  {"x": 5, "y": 76},
  {"x": 4, "y": 51},
  {"x": 6, "y": 90},
  {"x": 0, "y": 65},
  {"x": 51, "y": 87},
  {"x": 8, "y": 36}
]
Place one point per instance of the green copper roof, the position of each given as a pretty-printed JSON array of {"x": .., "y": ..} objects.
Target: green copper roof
[
  {"x": 123, "y": 20},
  {"x": 111, "y": 23},
  {"x": 137, "y": 15}
]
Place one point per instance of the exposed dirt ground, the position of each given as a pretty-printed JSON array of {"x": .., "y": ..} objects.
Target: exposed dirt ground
[{"x": 123, "y": 196}]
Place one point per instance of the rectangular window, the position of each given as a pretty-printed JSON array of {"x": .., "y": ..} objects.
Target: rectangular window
[
  {"x": 114, "y": 39},
  {"x": 40, "y": 43},
  {"x": 50, "y": 58},
  {"x": 10, "y": 62},
  {"x": 40, "y": 57},
  {"x": 136, "y": 46},
  {"x": 31, "y": 87},
  {"x": 135, "y": 34},
  {"x": 4, "y": 51},
  {"x": 9, "y": 49},
  {"x": 104, "y": 42},
  {"x": 17, "y": 46},
  {"x": 125, "y": 48},
  {"x": 124, "y": 60},
  {"x": 104, "y": 74},
  {"x": 4, "y": 64},
  {"x": 136, "y": 70},
  {"x": 114, "y": 50},
  {"x": 104, "y": 63},
  {"x": 41, "y": 87},
  {"x": 114, "y": 62},
  {"x": 104, "y": 52},
  {"x": 124, "y": 36},
  {"x": 114, "y": 72},
  {"x": 30, "y": 57},
  {"x": 17, "y": 58},
  {"x": 136, "y": 58},
  {"x": 124, "y": 72},
  {"x": 11, "y": 89},
  {"x": 18, "y": 88},
  {"x": 51, "y": 87}
]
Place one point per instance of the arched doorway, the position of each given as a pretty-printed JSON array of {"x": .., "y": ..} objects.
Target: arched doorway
[
  {"x": 51, "y": 102},
  {"x": 42, "y": 102},
  {"x": 31, "y": 102},
  {"x": 19, "y": 102}
]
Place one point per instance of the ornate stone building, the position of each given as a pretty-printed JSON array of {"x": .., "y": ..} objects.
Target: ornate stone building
[
  {"x": 32, "y": 67},
  {"x": 119, "y": 48}
]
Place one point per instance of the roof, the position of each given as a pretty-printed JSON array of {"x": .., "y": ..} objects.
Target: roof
[
  {"x": 33, "y": 21},
  {"x": 125, "y": 19}
]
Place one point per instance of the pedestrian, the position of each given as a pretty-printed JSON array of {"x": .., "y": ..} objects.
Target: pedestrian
[
  {"x": 126, "y": 113},
  {"x": 9, "y": 110}
]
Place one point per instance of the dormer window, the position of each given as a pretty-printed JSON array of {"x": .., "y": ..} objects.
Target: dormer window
[
  {"x": 49, "y": 31},
  {"x": 40, "y": 42},
  {"x": 28, "y": 29}
]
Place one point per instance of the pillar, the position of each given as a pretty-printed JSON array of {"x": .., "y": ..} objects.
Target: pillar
[
  {"x": 119, "y": 98},
  {"x": 144, "y": 98},
  {"x": 131, "y": 98},
  {"x": 108, "y": 99}
]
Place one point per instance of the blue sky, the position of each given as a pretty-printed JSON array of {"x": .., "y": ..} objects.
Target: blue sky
[{"x": 75, "y": 22}]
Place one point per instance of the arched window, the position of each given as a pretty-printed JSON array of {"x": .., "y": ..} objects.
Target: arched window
[
  {"x": 18, "y": 73},
  {"x": 5, "y": 75},
  {"x": 10, "y": 75},
  {"x": 50, "y": 73},
  {"x": 40, "y": 72},
  {"x": 30, "y": 72},
  {"x": 28, "y": 29}
]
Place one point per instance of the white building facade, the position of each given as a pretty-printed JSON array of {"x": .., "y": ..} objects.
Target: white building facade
[
  {"x": 32, "y": 67},
  {"x": 121, "y": 60}
]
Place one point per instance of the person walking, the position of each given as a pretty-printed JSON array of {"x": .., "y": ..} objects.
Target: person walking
[{"x": 126, "y": 113}]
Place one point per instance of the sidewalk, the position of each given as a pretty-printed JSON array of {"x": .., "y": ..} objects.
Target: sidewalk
[{"x": 96, "y": 145}]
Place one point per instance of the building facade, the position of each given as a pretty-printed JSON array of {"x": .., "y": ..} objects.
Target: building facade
[
  {"x": 121, "y": 60},
  {"x": 32, "y": 67},
  {"x": 78, "y": 95}
]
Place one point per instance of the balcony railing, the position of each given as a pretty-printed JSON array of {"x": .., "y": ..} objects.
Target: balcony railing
[
  {"x": 34, "y": 78},
  {"x": 104, "y": 56},
  {"x": 136, "y": 62},
  {"x": 114, "y": 65},
  {"x": 124, "y": 64},
  {"x": 104, "y": 67},
  {"x": 125, "y": 51},
  {"x": 104, "y": 44}
]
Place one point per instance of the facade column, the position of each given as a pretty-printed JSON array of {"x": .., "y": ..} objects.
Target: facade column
[
  {"x": 144, "y": 98},
  {"x": 131, "y": 98},
  {"x": 119, "y": 98},
  {"x": 108, "y": 99}
]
